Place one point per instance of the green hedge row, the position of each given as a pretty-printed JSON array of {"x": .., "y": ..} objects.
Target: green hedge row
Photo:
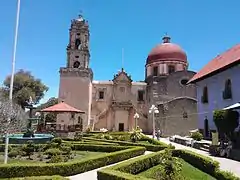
[
  {"x": 160, "y": 146},
  {"x": 205, "y": 164},
  {"x": 98, "y": 147},
  {"x": 41, "y": 178},
  {"x": 128, "y": 170},
  {"x": 68, "y": 168}
]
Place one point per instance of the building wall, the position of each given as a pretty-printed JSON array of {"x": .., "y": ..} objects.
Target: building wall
[
  {"x": 168, "y": 93},
  {"x": 122, "y": 90},
  {"x": 216, "y": 85}
]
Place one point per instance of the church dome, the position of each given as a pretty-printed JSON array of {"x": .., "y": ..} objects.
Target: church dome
[{"x": 166, "y": 51}]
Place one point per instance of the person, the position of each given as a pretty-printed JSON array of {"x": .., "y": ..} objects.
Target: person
[{"x": 158, "y": 134}]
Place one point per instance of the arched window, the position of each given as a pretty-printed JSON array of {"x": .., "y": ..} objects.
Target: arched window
[
  {"x": 227, "y": 93},
  {"x": 77, "y": 44},
  {"x": 205, "y": 95},
  {"x": 76, "y": 64}
]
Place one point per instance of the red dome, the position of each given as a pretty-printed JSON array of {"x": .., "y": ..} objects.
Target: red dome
[{"x": 167, "y": 51}]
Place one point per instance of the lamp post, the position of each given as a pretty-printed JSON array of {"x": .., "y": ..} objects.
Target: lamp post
[
  {"x": 136, "y": 117},
  {"x": 153, "y": 110},
  {"x": 11, "y": 82}
]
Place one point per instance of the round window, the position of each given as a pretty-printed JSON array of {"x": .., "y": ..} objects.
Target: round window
[{"x": 184, "y": 82}]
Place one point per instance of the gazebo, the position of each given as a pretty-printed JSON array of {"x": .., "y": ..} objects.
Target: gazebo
[{"x": 68, "y": 112}]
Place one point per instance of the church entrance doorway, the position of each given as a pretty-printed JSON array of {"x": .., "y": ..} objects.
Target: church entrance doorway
[
  {"x": 121, "y": 127},
  {"x": 206, "y": 128}
]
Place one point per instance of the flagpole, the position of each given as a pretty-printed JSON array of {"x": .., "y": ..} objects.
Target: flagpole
[{"x": 11, "y": 82}]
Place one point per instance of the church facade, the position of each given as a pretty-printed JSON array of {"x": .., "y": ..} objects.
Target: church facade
[{"x": 112, "y": 104}]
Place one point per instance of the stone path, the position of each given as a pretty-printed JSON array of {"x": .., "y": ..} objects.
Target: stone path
[
  {"x": 92, "y": 175},
  {"x": 225, "y": 164}
]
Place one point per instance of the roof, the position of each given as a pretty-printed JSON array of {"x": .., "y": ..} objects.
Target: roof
[
  {"x": 166, "y": 51},
  {"x": 220, "y": 63},
  {"x": 62, "y": 107}
]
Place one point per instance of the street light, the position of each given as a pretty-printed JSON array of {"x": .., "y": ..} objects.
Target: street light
[
  {"x": 136, "y": 117},
  {"x": 153, "y": 110},
  {"x": 11, "y": 82}
]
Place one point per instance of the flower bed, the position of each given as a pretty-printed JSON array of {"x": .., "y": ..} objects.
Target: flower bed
[
  {"x": 116, "y": 154},
  {"x": 130, "y": 169}
]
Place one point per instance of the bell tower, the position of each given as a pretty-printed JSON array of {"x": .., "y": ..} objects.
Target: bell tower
[
  {"x": 76, "y": 77},
  {"x": 78, "y": 48}
]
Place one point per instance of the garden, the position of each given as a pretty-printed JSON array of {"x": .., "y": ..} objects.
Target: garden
[
  {"x": 61, "y": 158},
  {"x": 168, "y": 164},
  {"x": 66, "y": 157}
]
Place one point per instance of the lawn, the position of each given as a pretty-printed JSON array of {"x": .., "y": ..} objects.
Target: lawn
[
  {"x": 188, "y": 172},
  {"x": 79, "y": 155}
]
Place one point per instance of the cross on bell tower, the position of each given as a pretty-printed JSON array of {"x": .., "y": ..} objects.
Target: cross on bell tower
[{"x": 78, "y": 55}]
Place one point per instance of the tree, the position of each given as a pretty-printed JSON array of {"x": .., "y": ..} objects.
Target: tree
[
  {"x": 226, "y": 122},
  {"x": 18, "y": 117},
  {"x": 25, "y": 86}
]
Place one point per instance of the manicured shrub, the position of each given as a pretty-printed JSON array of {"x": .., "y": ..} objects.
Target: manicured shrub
[
  {"x": 52, "y": 152},
  {"x": 197, "y": 136},
  {"x": 28, "y": 149},
  {"x": 56, "y": 159},
  {"x": 13, "y": 153},
  {"x": 128, "y": 170},
  {"x": 57, "y": 140},
  {"x": 41, "y": 178},
  {"x": 160, "y": 146},
  {"x": 201, "y": 162},
  {"x": 68, "y": 168}
]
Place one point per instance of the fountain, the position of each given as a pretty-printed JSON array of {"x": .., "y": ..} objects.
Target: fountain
[{"x": 29, "y": 135}]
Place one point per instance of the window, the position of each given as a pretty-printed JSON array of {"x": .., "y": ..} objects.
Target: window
[
  {"x": 227, "y": 93},
  {"x": 205, "y": 95},
  {"x": 155, "y": 71},
  {"x": 122, "y": 89},
  {"x": 101, "y": 94},
  {"x": 76, "y": 56},
  {"x": 184, "y": 82},
  {"x": 140, "y": 95},
  {"x": 171, "y": 69},
  {"x": 77, "y": 44},
  {"x": 76, "y": 64}
]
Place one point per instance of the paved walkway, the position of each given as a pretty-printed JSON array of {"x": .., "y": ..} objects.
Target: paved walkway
[
  {"x": 92, "y": 175},
  {"x": 225, "y": 164}
]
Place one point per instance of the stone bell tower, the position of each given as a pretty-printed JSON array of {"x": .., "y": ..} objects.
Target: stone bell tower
[{"x": 76, "y": 78}]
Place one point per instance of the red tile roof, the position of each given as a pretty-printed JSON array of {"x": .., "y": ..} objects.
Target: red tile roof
[
  {"x": 221, "y": 62},
  {"x": 62, "y": 107}
]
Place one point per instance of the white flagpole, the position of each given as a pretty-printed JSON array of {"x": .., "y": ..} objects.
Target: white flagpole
[{"x": 12, "y": 79}]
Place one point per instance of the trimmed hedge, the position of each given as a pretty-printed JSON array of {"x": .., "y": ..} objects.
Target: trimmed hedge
[
  {"x": 128, "y": 170},
  {"x": 69, "y": 168},
  {"x": 98, "y": 148},
  {"x": 158, "y": 147},
  {"x": 41, "y": 178}
]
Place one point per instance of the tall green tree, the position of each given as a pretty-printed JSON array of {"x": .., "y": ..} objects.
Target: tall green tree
[
  {"x": 226, "y": 122},
  {"x": 25, "y": 86}
]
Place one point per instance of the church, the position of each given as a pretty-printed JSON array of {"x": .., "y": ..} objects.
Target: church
[{"x": 112, "y": 104}]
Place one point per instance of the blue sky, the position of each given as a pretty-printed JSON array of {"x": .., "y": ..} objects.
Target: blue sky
[{"x": 202, "y": 28}]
